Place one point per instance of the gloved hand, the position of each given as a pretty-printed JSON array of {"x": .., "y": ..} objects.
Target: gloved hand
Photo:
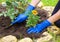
[
  {"x": 20, "y": 18},
  {"x": 39, "y": 27}
]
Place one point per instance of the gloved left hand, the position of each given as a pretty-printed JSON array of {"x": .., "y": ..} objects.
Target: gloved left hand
[
  {"x": 39, "y": 27},
  {"x": 20, "y": 18}
]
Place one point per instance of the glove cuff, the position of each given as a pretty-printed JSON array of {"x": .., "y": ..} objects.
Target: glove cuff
[
  {"x": 45, "y": 24},
  {"x": 30, "y": 8}
]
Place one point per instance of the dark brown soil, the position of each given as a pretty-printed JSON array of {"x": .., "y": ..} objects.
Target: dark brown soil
[
  {"x": 18, "y": 30},
  {"x": 42, "y": 13}
]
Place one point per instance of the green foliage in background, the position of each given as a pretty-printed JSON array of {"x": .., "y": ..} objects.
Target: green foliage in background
[
  {"x": 49, "y": 2},
  {"x": 46, "y": 2},
  {"x": 14, "y": 7},
  {"x": 20, "y": 4},
  {"x": 32, "y": 20},
  {"x": 11, "y": 13},
  {"x": 13, "y": 0}
]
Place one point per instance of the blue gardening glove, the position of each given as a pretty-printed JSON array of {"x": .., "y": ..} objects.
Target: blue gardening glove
[
  {"x": 39, "y": 27},
  {"x": 20, "y": 18}
]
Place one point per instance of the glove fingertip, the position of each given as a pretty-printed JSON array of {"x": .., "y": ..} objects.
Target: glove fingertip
[
  {"x": 15, "y": 18},
  {"x": 30, "y": 32},
  {"x": 37, "y": 32},
  {"x": 29, "y": 29}
]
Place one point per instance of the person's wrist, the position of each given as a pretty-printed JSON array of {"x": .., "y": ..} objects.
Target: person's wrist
[
  {"x": 55, "y": 17},
  {"x": 58, "y": 12},
  {"x": 34, "y": 2},
  {"x": 30, "y": 8}
]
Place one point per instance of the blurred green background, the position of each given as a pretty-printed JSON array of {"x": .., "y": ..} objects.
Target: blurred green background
[
  {"x": 50, "y": 2},
  {"x": 46, "y": 2}
]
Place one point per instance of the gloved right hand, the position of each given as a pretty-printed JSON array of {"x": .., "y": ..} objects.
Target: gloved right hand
[
  {"x": 21, "y": 17},
  {"x": 39, "y": 27}
]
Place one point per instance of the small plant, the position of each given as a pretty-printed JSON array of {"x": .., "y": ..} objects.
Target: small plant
[
  {"x": 11, "y": 4},
  {"x": 32, "y": 19},
  {"x": 11, "y": 13},
  {"x": 22, "y": 4},
  {"x": 13, "y": 7},
  {"x": 19, "y": 4}
]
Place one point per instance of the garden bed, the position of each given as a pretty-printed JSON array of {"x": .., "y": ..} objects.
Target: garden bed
[{"x": 19, "y": 30}]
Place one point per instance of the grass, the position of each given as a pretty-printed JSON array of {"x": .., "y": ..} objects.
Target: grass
[
  {"x": 2, "y": 1},
  {"x": 49, "y": 2},
  {"x": 45, "y": 2},
  {"x": 56, "y": 38}
]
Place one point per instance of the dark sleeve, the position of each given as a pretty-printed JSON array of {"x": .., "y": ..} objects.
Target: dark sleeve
[
  {"x": 57, "y": 7},
  {"x": 57, "y": 23}
]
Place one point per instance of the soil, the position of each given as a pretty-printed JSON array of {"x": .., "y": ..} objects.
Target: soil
[
  {"x": 18, "y": 30},
  {"x": 42, "y": 13}
]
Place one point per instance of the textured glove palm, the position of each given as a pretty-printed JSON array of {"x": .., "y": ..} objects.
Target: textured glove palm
[{"x": 39, "y": 27}]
